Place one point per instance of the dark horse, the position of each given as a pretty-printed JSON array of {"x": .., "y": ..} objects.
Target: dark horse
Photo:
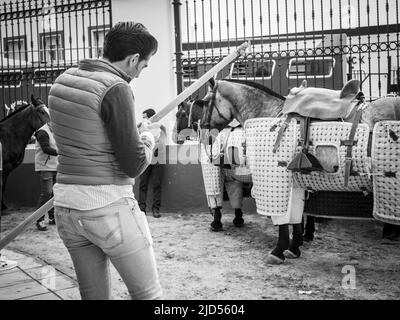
[{"x": 16, "y": 129}]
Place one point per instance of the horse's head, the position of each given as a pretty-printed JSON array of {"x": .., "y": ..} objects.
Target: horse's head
[
  {"x": 218, "y": 109},
  {"x": 40, "y": 113},
  {"x": 187, "y": 118}
]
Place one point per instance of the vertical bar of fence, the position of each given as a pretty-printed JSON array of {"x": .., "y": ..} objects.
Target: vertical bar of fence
[
  {"x": 212, "y": 34},
  {"x": 287, "y": 55},
  {"x": 262, "y": 41},
  {"x": 18, "y": 39},
  {"x": 178, "y": 45},
  {"x": 378, "y": 48},
  {"x": 332, "y": 43},
  {"x": 76, "y": 6},
  {"x": 270, "y": 38},
  {"x": 63, "y": 8},
  {"x": 59, "y": 46},
  {"x": 236, "y": 27},
  {"x": 359, "y": 45},
  {"x": 279, "y": 53},
  {"x": 397, "y": 48},
  {"x": 350, "y": 73},
  {"x": 314, "y": 49},
  {"x": 3, "y": 100},
  {"x": 70, "y": 32},
  {"x": 219, "y": 30},
  {"x": 97, "y": 28},
  {"x": 369, "y": 49},
  {"x": 296, "y": 44},
  {"x": 227, "y": 27},
  {"x": 323, "y": 44},
  {"x": 341, "y": 51},
  {"x": 388, "y": 84},
  {"x": 27, "y": 72},
  {"x": 188, "y": 57}
]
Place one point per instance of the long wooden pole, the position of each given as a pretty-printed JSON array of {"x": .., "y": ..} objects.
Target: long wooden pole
[
  {"x": 157, "y": 117},
  {"x": 199, "y": 83}
]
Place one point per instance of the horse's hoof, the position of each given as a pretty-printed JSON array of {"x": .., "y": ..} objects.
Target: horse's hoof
[
  {"x": 291, "y": 255},
  {"x": 238, "y": 222},
  {"x": 308, "y": 237},
  {"x": 272, "y": 259},
  {"x": 216, "y": 226}
]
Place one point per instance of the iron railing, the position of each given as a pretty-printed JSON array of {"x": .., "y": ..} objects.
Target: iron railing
[
  {"x": 326, "y": 42},
  {"x": 40, "y": 39}
]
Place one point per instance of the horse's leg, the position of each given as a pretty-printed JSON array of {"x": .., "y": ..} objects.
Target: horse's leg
[
  {"x": 297, "y": 240},
  {"x": 276, "y": 256},
  {"x": 216, "y": 225},
  {"x": 234, "y": 189},
  {"x": 309, "y": 229},
  {"x": 238, "y": 221},
  {"x": 3, "y": 188}
]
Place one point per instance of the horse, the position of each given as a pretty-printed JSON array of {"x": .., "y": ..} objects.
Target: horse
[
  {"x": 242, "y": 100},
  {"x": 237, "y": 186},
  {"x": 16, "y": 130}
]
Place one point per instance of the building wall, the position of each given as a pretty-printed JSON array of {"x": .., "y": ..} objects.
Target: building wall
[{"x": 156, "y": 86}]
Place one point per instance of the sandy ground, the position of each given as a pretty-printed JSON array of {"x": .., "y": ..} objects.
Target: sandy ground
[{"x": 195, "y": 263}]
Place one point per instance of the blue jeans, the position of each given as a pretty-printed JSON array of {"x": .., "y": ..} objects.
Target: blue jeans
[{"x": 118, "y": 232}]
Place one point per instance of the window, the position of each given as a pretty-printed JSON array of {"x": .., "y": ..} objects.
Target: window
[
  {"x": 15, "y": 48},
  {"x": 52, "y": 46},
  {"x": 313, "y": 67},
  {"x": 261, "y": 69},
  {"x": 96, "y": 40},
  {"x": 190, "y": 71},
  {"x": 46, "y": 77},
  {"x": 11, "y": 78}
]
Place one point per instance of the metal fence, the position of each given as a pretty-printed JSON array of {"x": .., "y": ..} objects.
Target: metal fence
[
  {"x": 326, "y": 42},
  {"x": 41, "y": 39}
]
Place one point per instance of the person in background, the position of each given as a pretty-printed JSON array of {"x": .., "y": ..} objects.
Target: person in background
[
  {"x": 154, "y": 172},
  {"x": 101, "y": 152},
  {"x": 46, "y": 165}
]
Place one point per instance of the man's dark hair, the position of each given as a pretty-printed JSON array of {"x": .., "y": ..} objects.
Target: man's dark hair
[
  {"x": 126, "y": 38},
  {"x": 149, "y": 112}
]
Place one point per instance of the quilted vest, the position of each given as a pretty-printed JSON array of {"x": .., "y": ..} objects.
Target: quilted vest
[
  {"x": 85, "y": 152},
  {"x": 43, "y": 161}
]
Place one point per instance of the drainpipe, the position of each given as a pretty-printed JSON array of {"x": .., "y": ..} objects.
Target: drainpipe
[{"x": 178, "y": 44}]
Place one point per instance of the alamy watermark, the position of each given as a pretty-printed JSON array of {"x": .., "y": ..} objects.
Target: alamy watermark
[{"x": 349, "y": 278}]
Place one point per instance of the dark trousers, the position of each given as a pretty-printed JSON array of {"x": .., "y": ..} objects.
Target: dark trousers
[
  {"x": 47, "y": 180},
  {"x": 153, "y": 174}
]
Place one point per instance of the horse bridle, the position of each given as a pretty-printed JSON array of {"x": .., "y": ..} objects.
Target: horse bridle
[{"x": 211, "y": 106}]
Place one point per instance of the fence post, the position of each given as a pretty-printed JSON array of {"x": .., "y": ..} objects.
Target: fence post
[{"x": 178, "y": 45}]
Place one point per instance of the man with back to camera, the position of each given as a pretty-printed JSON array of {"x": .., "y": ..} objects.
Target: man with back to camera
[{"x": 101, "y": 151}]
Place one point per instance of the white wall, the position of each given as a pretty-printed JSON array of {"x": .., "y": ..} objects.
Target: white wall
[{"x": 156, "y": 86}]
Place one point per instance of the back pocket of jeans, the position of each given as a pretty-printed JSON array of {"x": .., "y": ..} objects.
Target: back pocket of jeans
[{"x": 105, "y": 230}]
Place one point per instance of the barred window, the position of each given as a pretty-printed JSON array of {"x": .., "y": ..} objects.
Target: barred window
[
  {"x": 253, "y": 69},
  {"x": 311, "y": 67}
]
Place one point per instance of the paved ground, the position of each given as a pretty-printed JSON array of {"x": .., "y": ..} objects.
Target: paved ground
[{"x": 34, "y": 279}]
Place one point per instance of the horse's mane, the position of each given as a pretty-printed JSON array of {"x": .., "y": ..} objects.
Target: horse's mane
[
  {"x": 15, "y": 112},
  {"x": 257, "y": 86}
]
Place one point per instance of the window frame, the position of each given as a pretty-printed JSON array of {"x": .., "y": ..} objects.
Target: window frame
[
  {"x": 297, "y": 75},
  {"x": 20, "y": 71},
  {"x": 42, "y": 50},
  {"x": 25, "y": 49},
  {"x": 39, "y": 84},
  {"x": 253, "y": 76},
  {"x": 92, "y": 29}
]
